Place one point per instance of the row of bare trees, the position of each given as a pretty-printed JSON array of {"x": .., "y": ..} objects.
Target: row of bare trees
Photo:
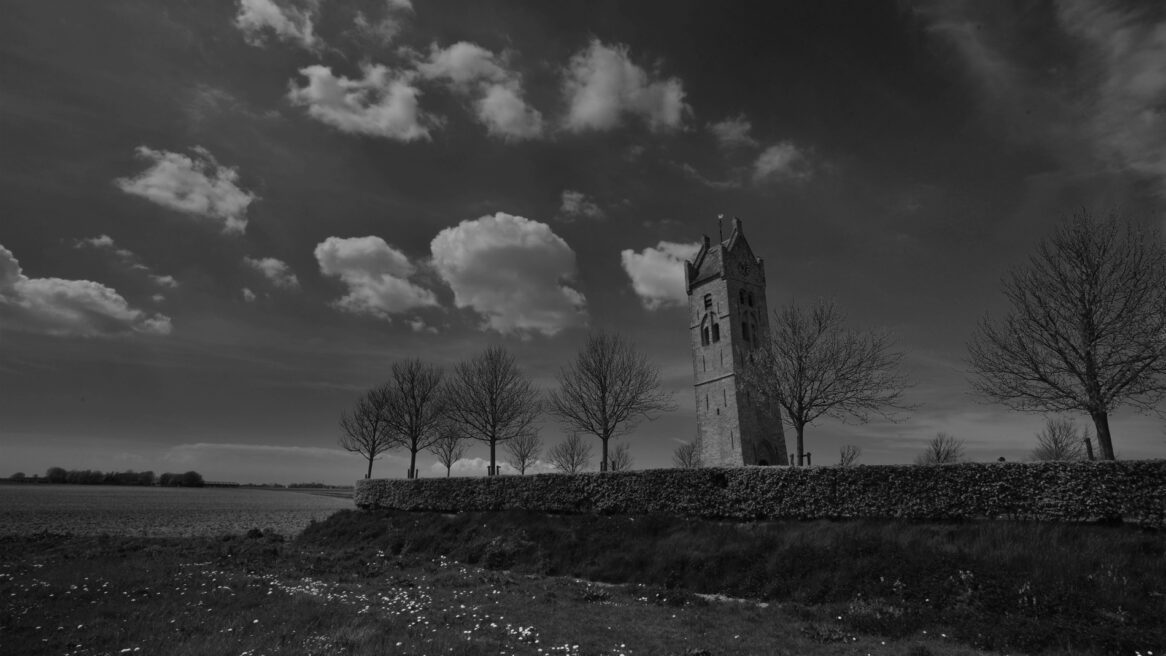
[{"x": 605, "y": 391}]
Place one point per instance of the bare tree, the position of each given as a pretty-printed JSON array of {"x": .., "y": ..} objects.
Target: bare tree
[
  {"x": 848, "y": 455},
  {"x": 1061, "y": 439},
  {"x": 450, "y": 445},
  {"x": 621, "y": 457},
  {"x": 942, "y": 449},
  {"x": 687, "y": 455},
  {"x": 812, "y": 365},
  {"x": 414, "y": 407},
  {"x": 491, "y": 400},
  {"x": 572, "y": 455},
  {"x": 608, "y": 389},
  {"x": 363, "y": 429},
  {"x": 1087, "y": 327},
  {"x": 524, "y": 450}
]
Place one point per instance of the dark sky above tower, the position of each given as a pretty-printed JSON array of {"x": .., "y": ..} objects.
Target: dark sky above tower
[{"x": 220, "y": 221}]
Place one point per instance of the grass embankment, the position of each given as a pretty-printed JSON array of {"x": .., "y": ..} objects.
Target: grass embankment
[{"x": 364, "y": 583}]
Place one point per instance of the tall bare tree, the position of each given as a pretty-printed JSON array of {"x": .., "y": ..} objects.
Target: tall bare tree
[
  {"x": 1087, "y": 327},
  {"x": 621, "y": 457},
  {"x": 450, "y": 445},
  {"x": 524, "y": 450},
  {"x": 848, "y": 455},
  {"x": 414, "y": 407},
  {"x": 491, "y": 400},
  {"x": 363, "y": 429},
  {"x": 941, "y": 450},
  {"x": 687, "y": 455},
  {"x": 1061, "y": 439},
  {"x": 572, "y": 455},
  {"x": 608, "y": 389},
  {"x": 812, "y": 365}
]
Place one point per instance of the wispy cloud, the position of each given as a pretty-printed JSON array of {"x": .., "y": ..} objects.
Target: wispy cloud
[{"x": 258, "y": 19}]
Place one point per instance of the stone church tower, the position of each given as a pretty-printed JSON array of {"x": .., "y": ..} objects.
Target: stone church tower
[{"x": 727, "y": 318}]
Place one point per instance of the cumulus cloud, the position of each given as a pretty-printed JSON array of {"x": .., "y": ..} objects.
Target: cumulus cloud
[
  {"x": 575, "y": 205},
  {"x": 515, "y": 272},
  {"x": 197, "y": 186},
  {"x": 477, "y": 467},
  {"x": 164, "y": 281},
  {"x": 602, "y": 86},
  {"x": 68, "y": 308},
  {"x": 277, "y": 271},
  {"x": 380, "y": 104},
  {"x": 496, "y": 91},
  {"x": 101, "y": 241},
  {"x": 259, "y": 18},
  {"x": 733, "y": 132},
  {"x": 376, "y": 274},
  {"x": 657, "y": 274},
  {"x": 783, "y": 161}
]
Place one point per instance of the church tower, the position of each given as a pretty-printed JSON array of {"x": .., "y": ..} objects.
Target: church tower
[{"x": 728, "y": 318}]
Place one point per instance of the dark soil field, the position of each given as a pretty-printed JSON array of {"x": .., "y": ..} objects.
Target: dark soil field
[{"x": 397, "y": 583}]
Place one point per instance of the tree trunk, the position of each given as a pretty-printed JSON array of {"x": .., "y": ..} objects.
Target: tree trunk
[
  {"x": 603, "y": 462},
  {"x": 1101, "y": 423},
  {"x": 412, "y": 463},
  {"x": 801, "y": 430},
  {"x": 369, "y": 473},
  {"x": 493, "y": 470},
  {"x": 447, "y": 470}
]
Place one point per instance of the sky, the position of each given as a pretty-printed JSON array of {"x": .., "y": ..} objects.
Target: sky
[{"x": 221, "y": 221}]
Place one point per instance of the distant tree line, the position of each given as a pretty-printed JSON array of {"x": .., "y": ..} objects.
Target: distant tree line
[{"x": 129, "y": 477}]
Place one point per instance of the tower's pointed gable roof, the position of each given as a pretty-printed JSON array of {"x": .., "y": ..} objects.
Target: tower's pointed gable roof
[{"x": 709, "y": 261}]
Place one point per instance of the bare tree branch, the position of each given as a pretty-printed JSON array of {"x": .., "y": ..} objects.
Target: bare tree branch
[
  {"x": 414, "y": 407},
  {"x": 450, "y": 445},
  {"x": 621, "y": 457},
  {"x": 1087, "y": 326},
  {"x": 572, "y": 455},
  {"x": 524, "y": 450},
  {"x": 608, "y": 389},
  {"x": 1060, "y": 439},
  {"x": 491, "y": 400},
  {"x": 848, "y": 455},
  {"x": 812, "y": 365},
  {"x": 363, "y": 429},
  {"x": 687, "y": 455},
  {"x": 942, "y": 449}
]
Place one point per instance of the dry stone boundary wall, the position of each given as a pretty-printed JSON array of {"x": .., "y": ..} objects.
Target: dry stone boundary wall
[{"x": 1131, "y": 491}]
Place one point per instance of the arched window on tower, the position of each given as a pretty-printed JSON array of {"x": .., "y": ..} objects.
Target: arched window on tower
[
  {"x": 704, "y": 335},
  {"x": 716, "y": 331},
  {"x": 741, "y": 297},
  {"x": 750, "y": 299},
  {"x": 745, "y": 331}
]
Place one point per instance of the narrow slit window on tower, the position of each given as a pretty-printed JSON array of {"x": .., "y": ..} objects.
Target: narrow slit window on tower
[
  {"x": 750, "y": 299},
  {"x": 706, "y": 401},
  {"x": 716, "y": 332},
  {"x": 725, "y": 396},
  {"x": 708, "y": 301},
  {"x": 704, "y": 336},
  {"x": 745, "y": 330},
  {"x": 741, "y": 296}
]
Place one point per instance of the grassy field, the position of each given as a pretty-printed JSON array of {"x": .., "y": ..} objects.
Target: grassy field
[{"x": 361, "y": 583}]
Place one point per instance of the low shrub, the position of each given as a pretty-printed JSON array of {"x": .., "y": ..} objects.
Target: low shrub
[{"x": 1129, "y": 491}]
